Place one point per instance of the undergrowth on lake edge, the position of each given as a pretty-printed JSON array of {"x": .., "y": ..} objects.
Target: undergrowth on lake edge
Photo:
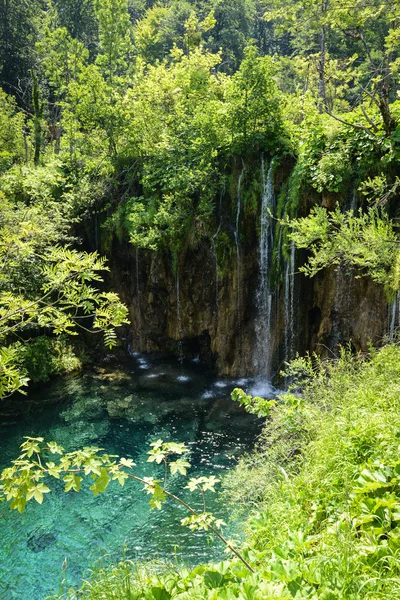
[{"x": 324, "y": 485}]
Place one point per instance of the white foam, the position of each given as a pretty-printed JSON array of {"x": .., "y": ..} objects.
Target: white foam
[
  {"x": 220, "y": 384},
  {"x": 143, "y": 364},
  {"x": 263, "y": 388},
  {"x": 183, "y": 378}
]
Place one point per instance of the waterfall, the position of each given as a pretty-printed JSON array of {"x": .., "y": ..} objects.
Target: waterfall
[
  {"x": 139, "y": 314},
  {"x": 394, "y": 309},
  {"x": 214, "y": 241},
  {"x": 264, "y": 295},
  {"x": 237, "y": 242},
  {"x": 289, "y": 303},
  {"x": 354, "y": 202},
  {"x": 178, "y": 316},
  {"x": 178, "y": 305}
]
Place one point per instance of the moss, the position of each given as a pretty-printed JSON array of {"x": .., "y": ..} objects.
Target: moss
[{"x": 224, "y": 250}]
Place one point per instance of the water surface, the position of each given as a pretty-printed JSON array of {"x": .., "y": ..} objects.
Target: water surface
[{"x": 121, "y": 409}]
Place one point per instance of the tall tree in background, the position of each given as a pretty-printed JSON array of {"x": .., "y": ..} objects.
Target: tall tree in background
[
  {"x": 79, "y": 18},
  {"x": 356, "y": 42},
  {"x": 233, "y": 30},
  {"x": 115, "y": 33},
  {"x": 19, "y": 25}
]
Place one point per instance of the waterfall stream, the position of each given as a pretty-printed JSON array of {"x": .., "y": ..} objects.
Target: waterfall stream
[
  {"x": 289, "y": 304},
  {"x": 238, "y": 256},
  {"x": 354, "y": 202},
  {"x": 178, "y": 315},
  {"x": 178, "y": 305},
  {"x": 214, "y": 242},
  {"x": 139, "y": 317},
  {"x": 394, "y": 311},
  {"x": 264, "y": 296}
]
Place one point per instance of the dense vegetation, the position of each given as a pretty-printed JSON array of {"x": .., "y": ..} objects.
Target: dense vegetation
[
  {"x": 127, "y": 119},
  {"x": 122, "y": 119}
]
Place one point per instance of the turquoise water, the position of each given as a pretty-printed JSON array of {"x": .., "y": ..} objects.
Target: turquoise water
[{"x": 122, "y": 409}]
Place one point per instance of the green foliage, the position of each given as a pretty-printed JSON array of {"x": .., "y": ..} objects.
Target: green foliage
[
  {"x": 114, "y": 37},
  {"x": 235, "y": 27},
  {"x": 176, "y": 126},
  {"x": 164, "y": 27},
  {"x": 325, "y": 480},
  {"x": 43, "y": 356},
  {"x": 254, "y": 405},
  {"x": 367, "y": 241},
  {"x": 20, "y": 22},
  {"x": 45, "y": 287},
  {"x": 11, "y": 133},
  {"x": 63, "y": 58},
  {"x": 254, "y": 104}
]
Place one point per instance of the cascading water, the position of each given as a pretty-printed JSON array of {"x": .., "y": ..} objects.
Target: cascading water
[
  {"x": 178, "y": 314},
  {"x": 214, "y": 242},
  {"x": 237, "y": 242},
  {"x": 289, "y": 303},
  {"x": 354, "y": 202},
  {"x": 178, "y": 305},
  {"x": 264, "y": 296},
  {"x": 394, "y": 311},
  {"x": 139, "y": 317}
]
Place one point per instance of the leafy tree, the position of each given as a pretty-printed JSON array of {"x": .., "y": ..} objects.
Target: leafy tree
[
  {"x": 62, "y": 58},
  {"x": 254, "y": 103},
  {"x": 163, "y": 27},
  {"x": 19, "y": 30},
  {"x": 233, "y": 31},
  {"x": 360, "y": 38},
  {"x": 115, "y": 47},
  {"x": 160, "y": 29},
  {"x": 367, "y": 242},
  {"x": 46, "y": 287},
  {"x": 177, "y": 129},
  {"x": 12, "y": 147},
  {"x": 79, "y": 18}
]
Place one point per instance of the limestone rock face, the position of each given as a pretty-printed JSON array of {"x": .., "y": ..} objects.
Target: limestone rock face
[
  {"x": 216, "y": 319},
  {"x": 192, "y": 310},
  {"x": 199, "y": 315},
  {"x": 352, "y": 311}
]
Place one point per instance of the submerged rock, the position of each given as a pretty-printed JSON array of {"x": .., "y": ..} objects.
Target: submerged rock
[
  {"x": 89, "y": 408},
  {"x": 137, "y": 409},
  {"x": 82, "y": 433},
  {"x": 40, "y": 540},
  {"x": 115, "y": 377}
]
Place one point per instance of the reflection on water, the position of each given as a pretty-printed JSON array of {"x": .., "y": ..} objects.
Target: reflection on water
[{"x": 121, "y": 409}]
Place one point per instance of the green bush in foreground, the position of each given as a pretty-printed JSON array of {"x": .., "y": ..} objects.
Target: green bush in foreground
[{"x": 325, "y": 486}]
